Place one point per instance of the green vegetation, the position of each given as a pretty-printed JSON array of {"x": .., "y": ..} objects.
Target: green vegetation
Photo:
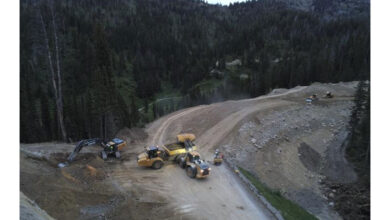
[
  {"x": 109, "y": 59},
  {"x": 167, "y": 90},
  {"x": 288, "y": 209},
  {"x": 353, "y": 200}
]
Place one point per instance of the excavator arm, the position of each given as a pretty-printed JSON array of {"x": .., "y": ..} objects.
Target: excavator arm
[{"x": 81, "y": 144}]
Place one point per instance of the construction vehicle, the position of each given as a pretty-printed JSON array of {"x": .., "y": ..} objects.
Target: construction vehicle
[
  {"x": 154, "y": 156},
  {"x": 218, "y": 158},
  {"x": 112, "y": 147},
  {"x": 311, "y": 99},
  {"x": 328, "y": 95},
  {"x": 194, "y": 166}
]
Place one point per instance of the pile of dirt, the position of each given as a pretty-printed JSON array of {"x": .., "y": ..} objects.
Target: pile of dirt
[
  {"x": 133, "y": 135},
  {"x": 72, "y": 187},
  {"x": 85, "y": 189}
]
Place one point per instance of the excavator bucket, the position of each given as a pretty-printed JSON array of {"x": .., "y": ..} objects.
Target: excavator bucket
[{"x": 185, "y": 137}]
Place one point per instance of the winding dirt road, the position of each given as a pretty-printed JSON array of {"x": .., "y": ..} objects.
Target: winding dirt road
[{"x": 222, "y": 195}]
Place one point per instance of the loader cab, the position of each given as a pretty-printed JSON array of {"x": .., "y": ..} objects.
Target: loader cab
[
  {"x": 152, "y": 152},
  {"x": 193, "y": 157}
]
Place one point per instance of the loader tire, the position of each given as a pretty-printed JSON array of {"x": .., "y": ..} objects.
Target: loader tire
[
  {"x": 117, "y": 154},
  {"x": 182, "y": 162},
  {"x": 103, "y": 155},
  {"x": 191, "y": 172},
  {"x": 157, "y": 164}
]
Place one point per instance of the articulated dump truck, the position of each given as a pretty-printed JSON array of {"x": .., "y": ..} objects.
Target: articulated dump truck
[{"x": 155, "y": 156}]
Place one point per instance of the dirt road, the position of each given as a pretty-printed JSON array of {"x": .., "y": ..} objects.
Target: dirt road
[{"x": 141, "y": 193}]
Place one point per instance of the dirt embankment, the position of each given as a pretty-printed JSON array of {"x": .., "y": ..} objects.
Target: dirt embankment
[
  {"x": 289, "y": 145},
  {"x": 296, "y": 147}
]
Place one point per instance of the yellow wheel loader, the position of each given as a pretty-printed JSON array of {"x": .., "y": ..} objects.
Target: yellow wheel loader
[
  {"x": 155, "y": 156},
  {"x": 194, "y": 166}
]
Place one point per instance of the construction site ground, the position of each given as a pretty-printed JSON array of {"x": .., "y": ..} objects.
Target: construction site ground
[{"x": 289, "y": 145}]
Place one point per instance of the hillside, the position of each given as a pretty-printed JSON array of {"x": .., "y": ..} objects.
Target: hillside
[{"x": 289, "y": 145}]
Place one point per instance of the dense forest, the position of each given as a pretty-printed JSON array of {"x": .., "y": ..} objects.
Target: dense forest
[
  {"x": 353, "y": 199},
  {"x": 89, "y": 68}
]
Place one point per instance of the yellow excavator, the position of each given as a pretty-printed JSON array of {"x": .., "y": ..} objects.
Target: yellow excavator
[
  {"x": 112, "y": 147},
  {"x": 155, "y": 156}
]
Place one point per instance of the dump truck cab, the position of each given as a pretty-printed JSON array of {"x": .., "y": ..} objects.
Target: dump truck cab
[
  {"x": 152, "y": 157},
  {"x": 195, "y": 167}
]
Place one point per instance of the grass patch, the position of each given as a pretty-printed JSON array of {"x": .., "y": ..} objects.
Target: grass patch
[{"x": 288, "y": 209}]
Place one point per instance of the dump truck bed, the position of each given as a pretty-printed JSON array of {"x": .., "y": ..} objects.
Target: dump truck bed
[
  {"x": 175, "y": 149},
  {"x": 175, "y": 146}
]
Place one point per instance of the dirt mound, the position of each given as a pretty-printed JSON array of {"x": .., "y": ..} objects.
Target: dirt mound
[
  {"x": 310, "y": 158},
  {"x": 133, "y": 135}
]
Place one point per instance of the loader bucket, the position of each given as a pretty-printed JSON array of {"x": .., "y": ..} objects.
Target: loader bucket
[{"x": 185, "y": 137}]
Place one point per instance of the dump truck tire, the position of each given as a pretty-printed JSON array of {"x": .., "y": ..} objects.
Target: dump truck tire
[
  {"x": 103, "y": 155},
  {"x": 117, "y": 154},
  {"x": 157, "y": 164},
  {"x": 191, "y": 172}
]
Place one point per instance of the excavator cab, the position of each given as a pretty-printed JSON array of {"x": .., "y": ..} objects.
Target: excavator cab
[{"x": 112, "y": 147}]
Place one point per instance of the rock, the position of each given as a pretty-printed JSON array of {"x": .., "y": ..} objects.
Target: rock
[
  {"x": 333, "y": 190},
  {"x": 253, "y": 140},
  {"x": 331, "y": 195},
  {"x": 331, "y": 204}
]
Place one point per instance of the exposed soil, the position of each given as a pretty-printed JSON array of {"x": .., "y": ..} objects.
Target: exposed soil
[
  {"x": 265, "y": 135},
  {"x": 310, "y": 158}
]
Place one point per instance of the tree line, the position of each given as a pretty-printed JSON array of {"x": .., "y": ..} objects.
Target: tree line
[{"x": 86, "y": 67}]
